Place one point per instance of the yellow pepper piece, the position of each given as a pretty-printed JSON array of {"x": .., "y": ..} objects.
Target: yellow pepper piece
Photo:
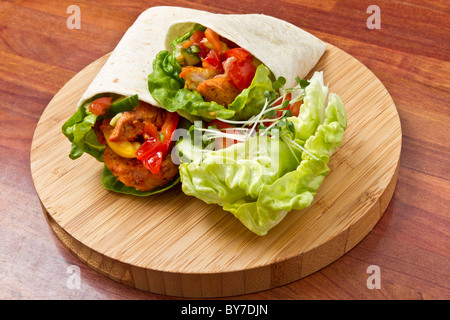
[{"x": 124, "y": 149}]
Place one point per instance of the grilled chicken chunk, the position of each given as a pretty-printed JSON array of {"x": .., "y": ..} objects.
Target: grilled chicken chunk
[
  {"x": 131, "y": 124},
  {"x": 194, "y": 76},
  {"x": 132, "y": 172},
  {"x": 219, "y": 89}
]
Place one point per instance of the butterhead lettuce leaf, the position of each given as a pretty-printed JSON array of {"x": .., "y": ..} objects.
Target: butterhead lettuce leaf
[
  {"x": 259, "y": 186},
  {"x": 250, "y": 101}
]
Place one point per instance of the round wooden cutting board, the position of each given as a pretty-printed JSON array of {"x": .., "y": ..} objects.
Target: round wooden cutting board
[{"x": 177, "y": 245}]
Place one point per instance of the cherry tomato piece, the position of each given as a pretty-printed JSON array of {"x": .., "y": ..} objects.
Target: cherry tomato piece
[
  {"x": 242, "y": 72},
  {"x": 100, "y": 106}
]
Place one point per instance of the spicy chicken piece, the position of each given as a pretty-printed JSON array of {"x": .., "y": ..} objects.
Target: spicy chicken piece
[
  {"x": 193, "y": 76},
  {"x": 219, "y": 89},
  {"x": 132, "y": 173},
  {"x": 131, "y": 124}
]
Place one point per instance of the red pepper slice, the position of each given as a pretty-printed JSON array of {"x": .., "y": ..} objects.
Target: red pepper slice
[
  {"x": 238, "y": 53},
  {"x": 151, "y": 153},
  {"x": 154, "y": 162},
  {"x": 169, "y": 126},
  {"x": 100, "y": 106},
  {"x": 148, "y": 148},
  {"x": 212, "y": 60},
  {"x": 153, "y": 150}
]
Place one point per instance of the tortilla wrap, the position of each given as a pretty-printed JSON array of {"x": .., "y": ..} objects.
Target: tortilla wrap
[
  {"x": 126, "y": 70},
  {"x": 285, "y": 49}
]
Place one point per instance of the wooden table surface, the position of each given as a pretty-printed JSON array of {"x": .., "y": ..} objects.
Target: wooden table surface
[{"x": 409, "y": 54}]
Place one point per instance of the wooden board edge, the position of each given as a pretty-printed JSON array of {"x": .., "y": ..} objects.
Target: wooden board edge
[{"x": 114, "y": 270}]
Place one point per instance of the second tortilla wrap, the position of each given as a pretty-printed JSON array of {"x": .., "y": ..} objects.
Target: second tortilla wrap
[{"x": 284, "y": 48}]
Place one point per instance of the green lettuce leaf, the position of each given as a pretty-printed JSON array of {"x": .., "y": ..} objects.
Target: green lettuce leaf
[
  {"x": 296, "y": 189},
  {"x": 167, "y": 88},
  {"x": 260, "y": 186},
  {"x": 238, "y": 172},
  {"x": 78, "y": 129},
  {"x": 110, "y": 182},
  {"x": 312, "y": 112}
]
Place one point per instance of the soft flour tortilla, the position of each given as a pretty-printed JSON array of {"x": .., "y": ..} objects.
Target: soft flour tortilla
[
  {"x": 126, "y": 70},
  {"x": 285, "y": 49}
]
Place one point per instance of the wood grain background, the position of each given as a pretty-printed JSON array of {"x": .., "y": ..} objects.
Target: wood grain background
[{"x": 409, "y": 54}]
